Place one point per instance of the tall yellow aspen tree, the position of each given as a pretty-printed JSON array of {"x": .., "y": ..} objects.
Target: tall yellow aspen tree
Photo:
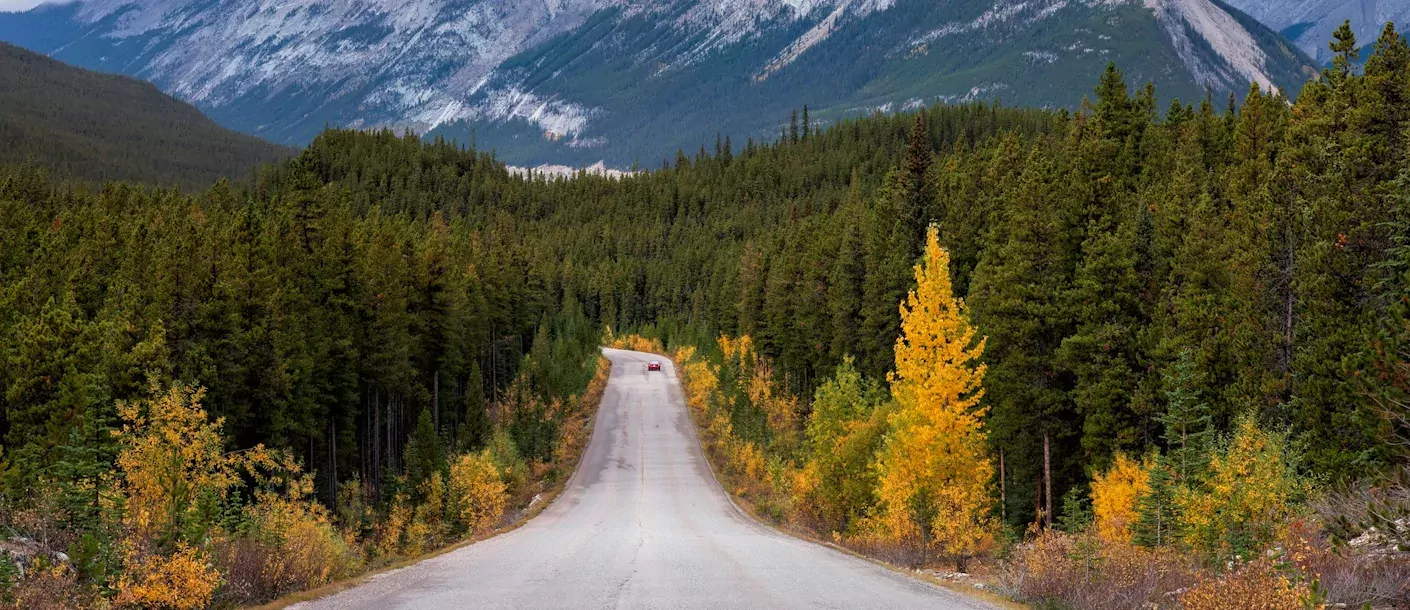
[{"x": 934, "y": 470}]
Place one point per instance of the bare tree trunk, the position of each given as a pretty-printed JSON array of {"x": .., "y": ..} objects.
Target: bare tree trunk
[
  {"x": 1003, "y": 491},
  {"x": 1288, "y": 313},
  {"x": 1038, "y": 499},
  {"x": 391, "y": 448},
  {"x": 1047, "y": 482},
  {"x": 333, "y": 461},
  {"x": 377, "y": 436}
]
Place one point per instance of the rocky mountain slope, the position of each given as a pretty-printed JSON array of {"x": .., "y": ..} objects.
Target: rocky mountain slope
[
  {"x": 1309, "y": 23},
  {"x": 575, "y": 81},
  {"x": 97, "y": 127}
]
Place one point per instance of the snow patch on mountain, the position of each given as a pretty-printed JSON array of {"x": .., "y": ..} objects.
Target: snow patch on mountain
[
  {"x": 716, "y": 24},
  {"x": 820, "y": 32},
  {"x": 558, "y": 119},
  {"x": 401, "y": 63},
  {"x": 551, "y": 171},
  {"x": 999, "y": 13}
]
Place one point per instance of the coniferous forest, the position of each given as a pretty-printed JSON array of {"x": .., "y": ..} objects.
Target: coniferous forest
[{"x": 388, "y": 319}]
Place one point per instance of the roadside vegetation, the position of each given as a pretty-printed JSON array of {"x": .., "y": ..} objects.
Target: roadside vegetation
[{"x": 902, "y": 473}]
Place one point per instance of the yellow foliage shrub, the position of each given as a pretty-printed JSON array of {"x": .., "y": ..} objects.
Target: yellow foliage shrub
[
  {"x": 433, "y": 494},
  {"x": 782, "y": 410},
  {"x": 1114, "y": 496},
  {"x": 391, "y": 529},
  {"x": 476, "y": 493},
  {"x": 171, "y": 455},
  {"x": 417, "y": 535},
  {"x": 1254, "y": 586},
  {"x": 803, "y": 484},
  {"x": 633, "y": 342},
  {"x": 181, "y": 581},
  {"x": 748, "y": 460},
  {"x": 306, "y": 551},
  {"x": 1245, "y": 499}
]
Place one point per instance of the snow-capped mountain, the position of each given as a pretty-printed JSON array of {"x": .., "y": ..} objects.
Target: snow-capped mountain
[
  {"x": 1310, "y": 23},
  {"x": 582, "y": 80}
]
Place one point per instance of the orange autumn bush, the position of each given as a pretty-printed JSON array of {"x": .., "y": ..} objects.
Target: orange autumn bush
[
  {"x": 1259, "y": 585},
  {"x": 183, "y": 580}
]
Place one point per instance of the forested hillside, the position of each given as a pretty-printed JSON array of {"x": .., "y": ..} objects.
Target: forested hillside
[
  {"x": 1143, "y": 276},
  {"x": 96, "y": 127}
]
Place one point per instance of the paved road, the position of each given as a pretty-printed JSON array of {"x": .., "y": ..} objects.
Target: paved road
[{"x": 642, "y": 524}]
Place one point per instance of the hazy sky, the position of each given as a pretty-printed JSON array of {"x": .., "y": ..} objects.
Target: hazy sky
[{"x": 17, "y": 5}]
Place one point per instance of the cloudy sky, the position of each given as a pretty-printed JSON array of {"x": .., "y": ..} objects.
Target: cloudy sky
[{"x": 17, "y": 5}]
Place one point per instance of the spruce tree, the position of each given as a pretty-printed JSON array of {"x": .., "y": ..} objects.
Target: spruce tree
[
  {"x": 1157, "y": 520},
  {"x": 1015, "y": 297},
  {"x": 1104, "y": 353},
  {"x": 1186, "y": 421},
  {"x": 423, "y": 451}
]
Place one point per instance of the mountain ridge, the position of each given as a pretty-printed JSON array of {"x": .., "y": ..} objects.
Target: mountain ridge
[
  {"x": 576, "y": 81},
  {"x": 1309, "y": 23},
  {"x": 100, "y": 127}
]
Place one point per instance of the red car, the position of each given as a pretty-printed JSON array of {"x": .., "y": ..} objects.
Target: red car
[{"x": 653, "y": 366}]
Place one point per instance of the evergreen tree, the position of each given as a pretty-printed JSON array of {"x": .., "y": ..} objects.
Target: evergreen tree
[
  {"x": 1186, "y": 421},
  {"x": 1103, "y": 354},
  {"x": 423, "y": 451},
  {"x": 1158, "y": 518},
  {"x": 1016, "y": 299},
  {"x": 844, "y": 291}
]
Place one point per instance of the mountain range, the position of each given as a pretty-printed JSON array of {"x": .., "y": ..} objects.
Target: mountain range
[
  {"x": 1309, "y": 23},
  {"x": 577, "y": 81}
]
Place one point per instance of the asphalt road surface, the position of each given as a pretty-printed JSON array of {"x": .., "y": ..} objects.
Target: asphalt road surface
[{"x": 642, "y": 524}]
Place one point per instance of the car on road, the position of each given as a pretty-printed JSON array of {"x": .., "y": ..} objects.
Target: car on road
[{"x": 653, "y": 366}]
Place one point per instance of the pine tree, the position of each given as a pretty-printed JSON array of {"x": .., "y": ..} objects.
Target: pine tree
[
  {"x": 1157, "y": 512},
  {"x": 844, "y": 288},
  {"x": 423, "y": 451},
  {"x": 915, "y": 193},
  {"x": 934, "y": 470},
  {"x": 1103, "y": 354},
  {"x": 1186, "y": 421},
  {"x": 1016, "y": 298},
  {"x": 476, "y": 429},
  {"x": 887, "y": 262}
]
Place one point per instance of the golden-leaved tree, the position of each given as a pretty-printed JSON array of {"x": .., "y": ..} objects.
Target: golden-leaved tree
[
  {"x": 934, "y": 470},
  {"x": 1115, "y": 494}
]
